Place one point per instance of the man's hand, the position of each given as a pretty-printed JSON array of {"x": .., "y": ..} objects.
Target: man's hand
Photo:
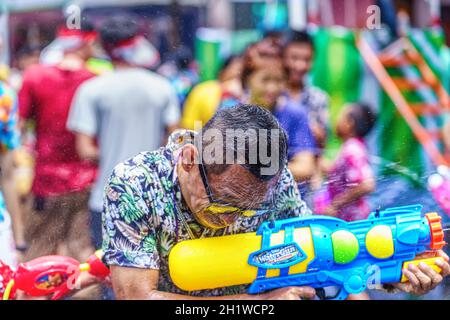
[
  {"x": 289, "y": 293},
  {"x": 423, "y": 279}
]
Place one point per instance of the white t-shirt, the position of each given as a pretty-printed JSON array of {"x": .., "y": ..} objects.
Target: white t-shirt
[{"x": 128, "y": 111}]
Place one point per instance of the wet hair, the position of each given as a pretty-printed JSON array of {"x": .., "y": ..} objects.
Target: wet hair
[
  {"x": 117, "y": 29},
  {"x": 363, "y": 117},
  {"x": 87, "y": 24},
  {"x": 245, "y": 117},
  {"x": 298, "y": 37}
]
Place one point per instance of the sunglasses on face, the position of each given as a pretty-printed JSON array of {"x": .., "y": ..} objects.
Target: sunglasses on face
[{"x": 218, "y": 206}]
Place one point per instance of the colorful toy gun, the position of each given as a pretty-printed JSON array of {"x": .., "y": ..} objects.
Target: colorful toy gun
[
  {"x": 439, "y": 184},
  {"x": 314, "y": 251},
  {"x": 53, "y": 276}
]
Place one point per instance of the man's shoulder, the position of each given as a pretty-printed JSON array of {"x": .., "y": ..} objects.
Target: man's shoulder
[
  {"x": 37, "y": 72},
  {"x": 143, "y": 168}
]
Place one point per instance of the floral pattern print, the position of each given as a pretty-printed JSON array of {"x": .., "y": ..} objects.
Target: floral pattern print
[{"x": 144, "y": 213}]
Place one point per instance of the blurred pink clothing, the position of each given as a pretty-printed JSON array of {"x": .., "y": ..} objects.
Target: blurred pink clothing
[{"x": 351, "y": 168}]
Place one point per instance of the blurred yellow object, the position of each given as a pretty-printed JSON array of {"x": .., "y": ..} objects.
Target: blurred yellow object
[
  {"x": 201, "y": 104},
  {"x": 215, "y": 262},
  {"x": 431, "y": 262},
  {"x": 99, "y": 66},
  {"x": 4, "y": 73},
  {"x": 24, "y": 171}
]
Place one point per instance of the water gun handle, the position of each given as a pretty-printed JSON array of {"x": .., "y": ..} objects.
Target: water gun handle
[
  {"x": 431, "y": 262},
  {"x": 95, "y": 265},
  {"x": 350, "y": 282}
]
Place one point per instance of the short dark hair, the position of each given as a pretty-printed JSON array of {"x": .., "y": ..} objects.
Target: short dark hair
[
  {"x": 298, "y": 37},
  {"x": 247, "y": 117},
  {"x": 364, "y": 118},
  {"x": 87, "y": 24},
  {"x": 117, "y": 29}
]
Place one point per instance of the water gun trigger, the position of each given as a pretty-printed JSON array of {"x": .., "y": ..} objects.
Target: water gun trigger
[{"x": 321, "y": 293}]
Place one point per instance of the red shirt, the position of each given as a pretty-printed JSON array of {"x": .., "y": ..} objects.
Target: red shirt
[{"x": 46, "y": 97}]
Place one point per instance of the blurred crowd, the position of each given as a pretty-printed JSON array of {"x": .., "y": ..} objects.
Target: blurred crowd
[{"x": 74, "y": 117}]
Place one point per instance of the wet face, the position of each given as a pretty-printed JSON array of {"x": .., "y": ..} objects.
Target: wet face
[
  {"x": 345, "y": 125},
  {"x": 298, "y": 59},
  {"x": 266, "y": 85},
  {"x": 235, "y": 187}
]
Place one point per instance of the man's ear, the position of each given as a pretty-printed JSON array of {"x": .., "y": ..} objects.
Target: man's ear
[{"x": 189, "y": 157}]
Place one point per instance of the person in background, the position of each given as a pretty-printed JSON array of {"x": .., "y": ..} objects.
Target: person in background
[
  {"x": 122, "y": 113},
  {"x": 62, "y": 180},
  {"x": 205, "y": 98},
  {"x": 9, "y": 141},
  {"x": 298, "y": 55},
  {"x": 180, "y": 69},
  {"x": 351, "y": 178},
  {"x": 264, "y": 83}
]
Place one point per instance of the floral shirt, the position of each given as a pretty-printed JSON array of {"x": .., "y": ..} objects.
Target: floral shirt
[
  {"x": 9, "y": 132},
  {"x": 352, "y": 167},
  {"x": 145, "y": 215}
]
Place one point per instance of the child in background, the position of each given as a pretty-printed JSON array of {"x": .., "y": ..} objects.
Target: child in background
[{"x": 351, "y": 177}]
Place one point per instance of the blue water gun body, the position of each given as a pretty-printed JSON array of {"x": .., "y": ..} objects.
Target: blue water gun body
[{"x": 348, "y": 255}]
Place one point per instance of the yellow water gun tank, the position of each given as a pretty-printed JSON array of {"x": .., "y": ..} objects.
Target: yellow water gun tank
[{"x": 213, "y": 262}]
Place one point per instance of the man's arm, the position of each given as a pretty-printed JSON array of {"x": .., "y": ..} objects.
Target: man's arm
[
  {"x": 142, "y": 284},
  {"x": 82, "y": 120},
  {"x": 12, "y": 198},
  {"x": 86, "y": 147}
]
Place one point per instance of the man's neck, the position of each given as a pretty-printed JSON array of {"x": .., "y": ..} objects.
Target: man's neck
[{"x": 295, "y": 89}]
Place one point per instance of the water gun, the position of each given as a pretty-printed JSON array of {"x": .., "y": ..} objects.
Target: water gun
[
  {"x": 48, "y": 276},
  {"x": 316, "y": 251},
  {"x": 439, "y": 185}
]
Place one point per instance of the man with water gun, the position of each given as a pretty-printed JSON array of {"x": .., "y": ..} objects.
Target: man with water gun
[{"x": 226, "y": 181}]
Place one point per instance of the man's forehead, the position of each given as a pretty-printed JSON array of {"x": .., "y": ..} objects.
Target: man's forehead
[{"x": 239, "y": 184}]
